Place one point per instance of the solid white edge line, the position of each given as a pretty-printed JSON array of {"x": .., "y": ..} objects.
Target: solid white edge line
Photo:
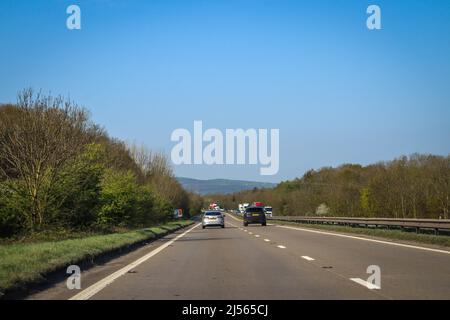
[
  {"x": 100, "y": 285},
  {"x": 366, "y": 284},
  {"x": 308, "y": 258},
  {"x": 232, "y": 217},
  {"x": 366, "y": 239}
]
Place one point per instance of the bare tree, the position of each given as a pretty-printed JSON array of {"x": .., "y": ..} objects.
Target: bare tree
[
  {"x": 158, "y": 174},
  {"x": 153, "y": 164},
  {"x": 441, "y": 184},
  {"x": 43, "y": 135}
]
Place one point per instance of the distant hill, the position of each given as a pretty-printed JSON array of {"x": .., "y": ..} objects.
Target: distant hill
[{"x": 204, "y": 187}]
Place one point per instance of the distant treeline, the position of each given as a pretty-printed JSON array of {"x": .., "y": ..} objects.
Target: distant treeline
[
  {"x": 417, "y": 186},
  {"x": 58, "y": 170}
]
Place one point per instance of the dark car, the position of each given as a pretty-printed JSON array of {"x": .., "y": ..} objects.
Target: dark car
[{"x": 254, "y": 215}]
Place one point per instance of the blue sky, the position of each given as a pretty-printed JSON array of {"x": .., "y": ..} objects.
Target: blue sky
[{"x": 338, "y": 92}]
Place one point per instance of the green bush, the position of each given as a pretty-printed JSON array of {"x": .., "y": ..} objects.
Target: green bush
[
  {"x": 123, "y": 201},
  {"x": 117, "y": 198},
  {"x": 12, "y": 211},
  {"x": 64, "y": 175},
  {"x": 164, "y": 209},
  {"x": 77, "y": 196},
  {"x": 144, "y": 214}
]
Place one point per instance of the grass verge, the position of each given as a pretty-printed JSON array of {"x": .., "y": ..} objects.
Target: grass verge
[
  {"x": 441, "y": 240},
  {"x": 24, "y": 264}
]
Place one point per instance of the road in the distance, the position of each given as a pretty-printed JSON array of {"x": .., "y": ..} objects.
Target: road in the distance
[{"x": 272, "y": 263}]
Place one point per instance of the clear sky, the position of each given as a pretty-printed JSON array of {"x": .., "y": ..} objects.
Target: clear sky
[{"x": 338, "y": 92}]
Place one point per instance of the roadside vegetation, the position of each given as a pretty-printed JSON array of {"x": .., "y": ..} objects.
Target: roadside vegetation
[
  {"x": 417, "y": 186},
  {"x": 62, "y": 176},
  {"x": 22, "y": 264}
]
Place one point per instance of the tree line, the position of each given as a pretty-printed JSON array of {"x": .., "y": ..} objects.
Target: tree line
[
  {"x": 59, "y": 170},
  {"x": 415, "y": 186}
]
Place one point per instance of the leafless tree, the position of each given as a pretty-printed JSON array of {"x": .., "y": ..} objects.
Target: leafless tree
[
  {"x": 153, "y": 164},
  {"x": 158, "y": 174},
  {"x": 36, "y": 142}
]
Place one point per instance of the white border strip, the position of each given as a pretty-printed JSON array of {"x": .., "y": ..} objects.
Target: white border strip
[
  {"x": 233, "y": 217},
  {"x": 308, "y": 258},
  {"x": 100, "y": 285}
]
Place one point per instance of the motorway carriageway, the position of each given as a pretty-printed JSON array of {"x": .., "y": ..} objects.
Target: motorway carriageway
[{"x": 272, "y": 262}]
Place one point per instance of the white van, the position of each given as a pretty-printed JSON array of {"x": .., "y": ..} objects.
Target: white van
[{"x": 268, "y": 211}]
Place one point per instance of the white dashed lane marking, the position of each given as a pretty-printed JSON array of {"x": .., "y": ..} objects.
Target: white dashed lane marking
[
  {"x": 365, "y": 239},
  {"x": 308, "y": 258},
  {"x": 366, "y": 284},
  {"x": 359, "y": 281}
]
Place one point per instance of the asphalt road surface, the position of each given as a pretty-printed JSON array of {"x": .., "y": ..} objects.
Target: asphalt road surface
[{"x": 271, "y": 262}]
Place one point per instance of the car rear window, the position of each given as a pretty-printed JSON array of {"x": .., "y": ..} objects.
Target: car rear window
[
  {"x": 254, "y": 210},
  {"x": 213, "y": 213}
]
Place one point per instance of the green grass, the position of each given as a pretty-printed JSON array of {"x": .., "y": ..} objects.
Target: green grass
[
  {"x": 441, "y": 240},
  {"x": 26, "y": 263}
]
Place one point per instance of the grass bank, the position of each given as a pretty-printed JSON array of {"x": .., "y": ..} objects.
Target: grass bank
[
  {"x": 23, "y": 264},
  {"x": 441, "y": 240}
]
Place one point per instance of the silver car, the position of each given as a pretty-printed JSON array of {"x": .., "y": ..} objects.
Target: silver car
[{"x": 213, "y": 218}]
